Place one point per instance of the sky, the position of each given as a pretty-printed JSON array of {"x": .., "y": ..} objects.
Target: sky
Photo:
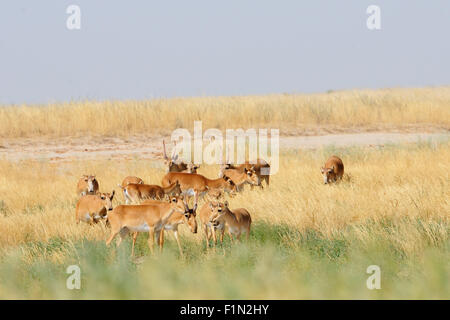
[{"x": 151, "y": 49}]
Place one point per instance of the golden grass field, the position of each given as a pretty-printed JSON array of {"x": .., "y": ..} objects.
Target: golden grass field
[
  {"x": 308, "y": 240},
  {"x": 392, "y": 209},
  {"x": 335, "y": 111}
]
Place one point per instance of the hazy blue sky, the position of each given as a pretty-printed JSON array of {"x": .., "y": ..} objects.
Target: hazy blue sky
[{"x": 143, "y": 49}]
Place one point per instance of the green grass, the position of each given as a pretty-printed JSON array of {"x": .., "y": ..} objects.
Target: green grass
[{"x": 277, "y": 262}]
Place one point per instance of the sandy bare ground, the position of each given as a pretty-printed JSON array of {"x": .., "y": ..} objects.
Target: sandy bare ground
[{"x": 150, "y": 147}]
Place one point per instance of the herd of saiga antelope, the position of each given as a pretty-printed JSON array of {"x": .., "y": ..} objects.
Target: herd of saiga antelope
[{"x": 165, "y": 207}]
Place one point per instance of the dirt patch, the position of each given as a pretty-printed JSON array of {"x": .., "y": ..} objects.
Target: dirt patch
[
  {"x": 360, "y": 139},
  {"x": 150, "y": 147}
]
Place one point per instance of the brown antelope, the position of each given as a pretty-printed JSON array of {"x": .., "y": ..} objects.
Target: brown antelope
[
  {"x": 195, "y": 184},
  {"x": 333, "y": 170},
  {"x": 138, "y": 192},
  {"x": 128, "y": 180},
  {"x": 173, "y": 165},
  {"x": 131, "y": 179},
  {"x": 174, "y": 221},
  {"x": 236, "y": 221},
  {"x": 150, "y": 218},
  {"x": 87, "y": 184},
  {"x": 206, "y": 214},
  {"x": 91, "y": 208},
  {"x": 242, "y": 177},
  {"x": 215, "y": 194},
  {"x": 261, "y": 167}
]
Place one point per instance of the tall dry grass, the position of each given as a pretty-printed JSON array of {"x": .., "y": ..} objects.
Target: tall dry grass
[
  {"x": 361, "y": 109},
  {"x": 393, "y": 182},
  {"x": 309, "y": 240}
]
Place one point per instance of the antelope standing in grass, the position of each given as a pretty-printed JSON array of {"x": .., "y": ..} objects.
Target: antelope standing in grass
[
  {"x": 188, "y": 218},
  {"x": 175, "y": 165},
  {"x": 242, "y": 177},
  {"x": 92, "y": 208},
  {"x": 130, "y": 179},
  {"x": 195, "y": 184},
  {"x": 138, "y": 192},
  {"x": 150, "y": 218},
  {"x": 333, "y": 170},
  {"x": 87, "y": 184},
  {"x": 236, "y": 221},
  {"x": 261, "y": 168},
  {"x": 206, "y": 214}
]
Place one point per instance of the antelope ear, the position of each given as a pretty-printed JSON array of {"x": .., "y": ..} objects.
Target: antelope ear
[
  {"x": 331, "y": 169},
  {"x": 226, "y": 204},
  {"x": 211, "y": 206}
]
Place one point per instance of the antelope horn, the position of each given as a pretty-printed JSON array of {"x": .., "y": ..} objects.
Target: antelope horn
[
  {"x": 164, "y": 150},
  {"x": 174, "y": 156}
]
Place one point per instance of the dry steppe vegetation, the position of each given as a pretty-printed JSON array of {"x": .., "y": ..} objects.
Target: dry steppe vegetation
[
  {"x": 358, "y": 110},
  {"x": 308, "y": 240}
]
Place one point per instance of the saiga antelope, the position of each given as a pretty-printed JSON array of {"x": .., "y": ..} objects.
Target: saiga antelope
[
  {"x": 241, "y": 177},
  {"x": 138, "y": 192},
  {"x": 173, "y": 165},
  {"x": 215, "y": 194},
  {"x": 174, "y": 221},
  {"x": 91, "y": 208},
  {"x": 87, "y": 184},
  {"x": 261, "y": 167},
  {"x": 206, "y": 214},
  {"x": 236, "y": 221},
  {"x": 333, "y": 170},
  {"x": 150, "y": 218},
  {"x": 130, "y": 179},
  {"x": 196, "y": 184}
]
